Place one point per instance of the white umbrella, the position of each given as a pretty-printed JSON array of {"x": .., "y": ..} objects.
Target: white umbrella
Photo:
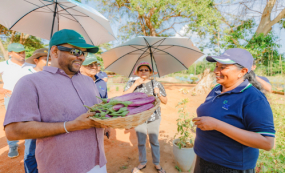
[
  {"x": 42, "y": 18},
  {"x": 166, "y": 54}
]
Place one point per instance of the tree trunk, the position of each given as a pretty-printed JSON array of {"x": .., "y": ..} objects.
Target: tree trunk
[
  {"x": 280, "y": 61},
  {"x": 21, "y": 38},
  {"x": 25, "y": 38},
  {"x": 205, "y": 84},
  {"x": 12, "y": 36},
  {"x": 265, "y": 25},
  {"x": 4, "y": 51}
]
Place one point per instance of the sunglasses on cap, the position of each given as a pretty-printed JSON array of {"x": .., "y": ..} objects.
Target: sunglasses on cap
[{"x": 73, "y": 51}]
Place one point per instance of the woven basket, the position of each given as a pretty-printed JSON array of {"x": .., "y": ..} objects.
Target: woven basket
[{"x": 130, "y": 120}]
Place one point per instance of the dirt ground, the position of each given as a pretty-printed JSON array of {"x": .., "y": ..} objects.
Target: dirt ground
[{"x": 121, "y": 149}]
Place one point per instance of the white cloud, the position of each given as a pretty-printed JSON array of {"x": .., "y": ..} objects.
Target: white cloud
[{"x": 184, "y": 32}]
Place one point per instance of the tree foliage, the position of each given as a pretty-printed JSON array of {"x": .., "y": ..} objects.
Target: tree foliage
[
  {"x": 7, "y": 37},
  {"x": 159, "y": 17}
]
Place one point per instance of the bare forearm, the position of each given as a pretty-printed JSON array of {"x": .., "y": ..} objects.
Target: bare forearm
[
  {"x": 33, "y": 130},
  {"x": 245, "y": 137},
  {"x": 266, "y": 86},
  {"x": 163, "y": 99}
]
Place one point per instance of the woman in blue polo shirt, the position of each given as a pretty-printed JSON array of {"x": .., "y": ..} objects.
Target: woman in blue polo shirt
[{"x": 235, "y": 121}]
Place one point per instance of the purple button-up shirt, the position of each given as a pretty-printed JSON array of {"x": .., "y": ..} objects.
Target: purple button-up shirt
[{"x": 52, "y": 96}]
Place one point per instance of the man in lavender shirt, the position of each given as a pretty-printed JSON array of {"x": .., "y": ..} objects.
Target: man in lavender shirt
[{"x": 48, "y": 106}]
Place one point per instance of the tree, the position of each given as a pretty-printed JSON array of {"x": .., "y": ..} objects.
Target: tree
[
  {"x": 265, "y": 25},
  {"x": 159, "y": 17},
  {"x": 8, "y": 36}
]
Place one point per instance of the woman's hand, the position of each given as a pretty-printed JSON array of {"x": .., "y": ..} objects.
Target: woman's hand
[
  {"x": 156, "y": 90},
  {"x": 206, "y": 123},
  {"x": 139, "y": 81}
]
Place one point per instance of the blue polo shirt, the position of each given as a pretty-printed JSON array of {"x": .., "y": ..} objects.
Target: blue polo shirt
[
  {"x": 244, "y": 107},
  {"x": 101, "y": 84}
]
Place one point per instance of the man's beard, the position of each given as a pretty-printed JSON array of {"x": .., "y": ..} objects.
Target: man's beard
[{"x": 71, "y": 69}]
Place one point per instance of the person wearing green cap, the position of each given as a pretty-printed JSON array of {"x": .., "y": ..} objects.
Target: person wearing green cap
[
  {"x": 67, "y": 140},
  {"x": 12, "y": 70},
  {"x": 90, "y": 68}
]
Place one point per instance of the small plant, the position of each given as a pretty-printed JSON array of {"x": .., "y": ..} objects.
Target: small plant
[
  {"x": 108, "y": 89},
  {"x": 185, "y": 126},
  {"x": 117, "y": 88},
  {"x": 194, "y": 79},
  {"x": 124, "y": 167},
  {"x": 178, "y": 169}
]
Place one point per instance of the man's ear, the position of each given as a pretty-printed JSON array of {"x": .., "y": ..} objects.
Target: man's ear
[
  {"x": 36, "y": 61},
  {"x": 53, "y": 52}
]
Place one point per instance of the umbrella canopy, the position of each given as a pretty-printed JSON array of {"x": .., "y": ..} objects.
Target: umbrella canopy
[
  {"x": 42, "y": 18},
  {"x": 166, "y": 54}
]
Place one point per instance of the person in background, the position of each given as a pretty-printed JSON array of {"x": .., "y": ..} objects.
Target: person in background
[
  {"x": 39, "y": 58},
  {"x": 262, "y": 80},
  {"x": 90, "y": 68},
  {"x": 101, "y": 75},
  {"x": 235, "y": 121},
  {"x": 12, "y": 70},
  {"x": 151, "y": 126},
  {"x": 49, "y": 106}
]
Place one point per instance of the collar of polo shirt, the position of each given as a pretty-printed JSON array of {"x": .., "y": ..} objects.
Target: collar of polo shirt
[{"x": 242, "y": 87}]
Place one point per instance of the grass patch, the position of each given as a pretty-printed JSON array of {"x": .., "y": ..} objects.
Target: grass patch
[{"x": 274, "y": 160}]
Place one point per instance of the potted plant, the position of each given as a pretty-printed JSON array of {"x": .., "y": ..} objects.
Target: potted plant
[{"x": 183, "y": 145}]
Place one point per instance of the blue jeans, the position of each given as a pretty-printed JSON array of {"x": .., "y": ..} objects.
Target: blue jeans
[
  {"x": 6, "y": 101},
  {"x": 30, "y": 162},
  {"x": 152, "y": 130}
]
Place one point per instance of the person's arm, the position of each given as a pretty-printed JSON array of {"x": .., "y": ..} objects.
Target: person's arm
[
  {"x": 162, "y": 98},
  {"x": 105, "y": 79},
  {"x": 5, "y": 91},
  {"x": 134, "y": 86},
  {"x": 34, "y": 129},
  {"x": 265, "y": 85},
  {"x": 248, "y": 138}
]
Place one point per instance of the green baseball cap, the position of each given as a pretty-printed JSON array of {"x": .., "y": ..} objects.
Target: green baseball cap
[
  {"x": 16, "y": 47},
  {"x": 73, "y": 38},
  {"x": 90, "y": 59}
]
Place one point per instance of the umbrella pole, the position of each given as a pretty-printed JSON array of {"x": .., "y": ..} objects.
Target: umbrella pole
[
  {"x": 54, "y": 14},
  {"x": 151, "y": 59}
]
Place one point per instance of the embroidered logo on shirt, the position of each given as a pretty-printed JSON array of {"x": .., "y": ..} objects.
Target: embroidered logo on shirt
[{"x": 226, "y": 106}]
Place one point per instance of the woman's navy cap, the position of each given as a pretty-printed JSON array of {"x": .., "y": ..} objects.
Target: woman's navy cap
[{"x": 233, "y": 56}]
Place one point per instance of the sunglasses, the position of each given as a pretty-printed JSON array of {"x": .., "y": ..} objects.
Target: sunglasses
[
  {"x": 146, "y": 70},
  {"x": 73, "y": 51},
  {"x": 92, "y": 65}
]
